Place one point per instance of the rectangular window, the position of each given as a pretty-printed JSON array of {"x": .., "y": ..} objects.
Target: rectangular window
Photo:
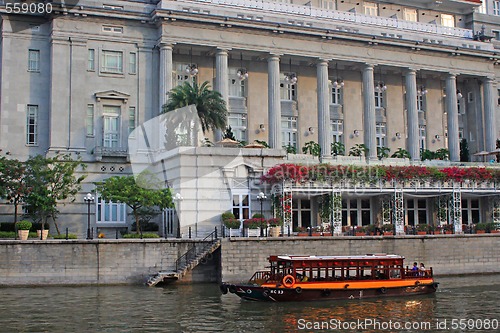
[
  {"x": 90, "y": 120},
  {"x": 32, "y": 125},
  {"x": 371, "y": 8},
  {"x": 496, "y": 8},
  {"x": 112, "y": 62},
  {"x": 112, "y": 29},
  {"x": 91, "y": 60},
  {"x": 110, "y": 212},
  {"x": 379, "y": 99},
  {"x": 482, "y": 9},
  {"x": 496, "y": 34},
  {"x": 380, "y": 134},
  {"x": 132, "y": 63},
  {"x": 328, "y": 4},
  {"x": 336, "y": 95},
  {"x": 422, "y": 134},
  {"x": 34, "y": 60},
  {"x": 287, "y": 90},
  {"x": 238, "y": 123},
  {"x": 114, "y": 7},
  {"x": 470, "y": 211},
  {"x": 447, "y": 20},
  {"x": 410, "y": 15},
  {"x": 241, "y": 204},
  {"x": 181, "y": 75},
  {"x": 236, "y": 85},
  {"x": 131, "y": 119},
  {"x": 111, "y": 135},
  {"x": 337, "y": 129},
  {"x": 289, "y": 131},
  {"x": 420, "y": 102}
]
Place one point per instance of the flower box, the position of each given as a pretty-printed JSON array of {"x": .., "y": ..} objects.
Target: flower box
[
  {"x": 253, "y": 232},
  {"x": 421, "y": 233},
  {"x": 388, "y": 233},
  {"x": 360, "y": 233},
  {"x": 302, "y": 234},
  {"x": 479, "y": 231},
  {"x": 234, "y": 232}
]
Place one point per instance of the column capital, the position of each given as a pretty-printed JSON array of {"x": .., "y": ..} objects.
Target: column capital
[
  {"x": 490, "y": 79},
  {"x": 410, "y": 71},
  {"x": 322, "y": 62},
  {"x": 273, "y": 57},
  {"x": 221, "y": 51},
  {"x": 452, "y": 75},
  {"x": 368, "y": 66}
]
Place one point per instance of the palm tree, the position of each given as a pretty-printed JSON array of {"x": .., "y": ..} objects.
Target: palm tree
[{"x": 210, "y": 105}]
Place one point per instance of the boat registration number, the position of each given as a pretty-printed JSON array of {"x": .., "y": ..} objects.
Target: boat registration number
[{"x": 276, "y": 291}]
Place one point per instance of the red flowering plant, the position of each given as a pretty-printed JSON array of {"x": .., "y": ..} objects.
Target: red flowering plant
[
  {"x": 275, "y": 222},
  {"x": 255, "y": 223}
]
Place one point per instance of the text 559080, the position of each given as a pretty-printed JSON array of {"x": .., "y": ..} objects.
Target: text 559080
[{"x": 28, "y": 8}]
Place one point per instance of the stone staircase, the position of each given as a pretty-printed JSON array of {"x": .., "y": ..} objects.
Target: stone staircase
[{"x": 188, "y": 261}]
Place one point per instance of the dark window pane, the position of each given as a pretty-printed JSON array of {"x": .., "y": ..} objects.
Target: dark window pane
[
  {"x": 410, "y": 203},
  {"x": 354, "y": 203},
  {"x": 421, "y": 203},
  {"x": 305, "y": 204},
  {"x": 354, "y": 217},
  {"x": 475, "y": 216},
  {"x": 422, "y": 218},
  {"x": 474, "y": 203},
  {"x": 465, "y": 217},
  {"x": 365, "y": 203},
  {"x": 365, "y": 217},
  {"x": 464, "y": 203},
  {"x": 244, "y": 201}
]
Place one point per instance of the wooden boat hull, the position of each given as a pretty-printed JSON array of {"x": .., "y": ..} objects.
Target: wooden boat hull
[{"x": 260, "y": 293}]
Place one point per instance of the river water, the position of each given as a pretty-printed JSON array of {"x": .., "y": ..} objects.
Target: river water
[{"x": 463, "y": 304}]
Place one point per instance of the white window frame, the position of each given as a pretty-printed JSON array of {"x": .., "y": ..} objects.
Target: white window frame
[
  {"x": 289, "y": 133},
  {"x": 32, "y": 125},
  {"x": 239, "y": 208},
  {"x": 112, "y": 29},
  {"x": 496, "y": 34},
  {"x": 359, "y": 209},
  {"x": 379, "y": 99},
  {"x": 415, "y": 211},
  {"x": 328, "y": 4},
  {"x": 132, "y": 63},
  {"x": 132, "y": 120},
  {"x": 337, "y": 130},
  {"x": 482, "y": 9},
  {"x": 91, "y": 60},
  {"x": 448, "y": 20},
  {"x": 180, "y": 75},
  {"x": 33, "y": 60},
  {"x": 288, "y": 91},
  {"x": 89, "y": 125},
  {"x": 410, "y": 14},
  {"x": 468, "y": 210},
  {"x": 421, "y": 103},
  {"x": 238, "y": 123},
  {"x": 110, "y": 208},
  {"x": 237, "y": 87},
  {"x": 496, "y": 8},
  {"x": 110, "y": 138},
  {"x": 370, "y": 8},
  {"x": 335, "y": 95},
  {"x": 422, "y": 136},
  {"x": 109, "y": 55},
  {"x": 381, "y": 134}
]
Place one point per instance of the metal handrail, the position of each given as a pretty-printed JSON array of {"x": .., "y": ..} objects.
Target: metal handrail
[{"x": 192, "y": 253}]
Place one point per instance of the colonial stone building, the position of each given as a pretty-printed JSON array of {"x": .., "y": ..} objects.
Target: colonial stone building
[{"x": 398, "y": 74}]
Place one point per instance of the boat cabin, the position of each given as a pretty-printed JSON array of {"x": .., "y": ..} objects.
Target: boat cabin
[{"x": 340, "y": 268}]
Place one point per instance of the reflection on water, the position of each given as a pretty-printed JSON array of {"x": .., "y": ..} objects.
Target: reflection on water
[{"x": 201, "y": 308}]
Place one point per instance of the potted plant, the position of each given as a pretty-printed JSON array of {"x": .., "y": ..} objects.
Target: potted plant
[
  {"x": 252, "y": 225},
  {"x": 301, "y": 231},
  {"x": 448, "y": 229},
  {"x": 42, "y": 233},
  {"x": 233, "y": 225},
  {"x": 388, "y": 229},
  {"x": 372, "y": 229},
  {"x": 422, "y": 229},
  {"x": 23, "y": 229},
  {"x": 481, "y": 228},
  {"x": 275, "y": 226},
  {"x": 495, "y": 228}
]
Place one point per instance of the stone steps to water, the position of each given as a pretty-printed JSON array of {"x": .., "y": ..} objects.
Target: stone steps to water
[{"x": 200, "y": 257}]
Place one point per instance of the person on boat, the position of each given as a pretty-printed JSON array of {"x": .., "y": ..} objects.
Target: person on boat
[
  {"x": 414, "y": 269},
  {"x": 422, "y": 269}
]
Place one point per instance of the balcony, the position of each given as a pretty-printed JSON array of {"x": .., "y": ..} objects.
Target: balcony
[
  {"x": 101, "y": 151},
  {"x": 237, "y": 104}
]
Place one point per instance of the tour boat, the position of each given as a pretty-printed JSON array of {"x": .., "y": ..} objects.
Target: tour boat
[{"x": 314, "y": 278}]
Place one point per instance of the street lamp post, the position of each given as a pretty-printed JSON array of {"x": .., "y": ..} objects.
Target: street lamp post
[
  {"x": 89, "y": 198},
  {"x": 178, "y": 199},
  {"x": 261, "y": 197}
]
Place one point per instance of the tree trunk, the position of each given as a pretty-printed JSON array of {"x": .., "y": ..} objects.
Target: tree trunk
[
  {"x": 15, "y": 211},
  {"x": 137, "y": 222},
  {"x": 55, "y": 225}
]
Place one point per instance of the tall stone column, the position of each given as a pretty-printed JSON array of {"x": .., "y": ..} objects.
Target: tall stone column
[
  {"x": 452, "y": 112},
  {"x": 221, "y": 81},
  {"x": 489, "y": 113},
  {"x": 411, "y": 107},
  {"x": 274, "y": 101},
  {"x": 324, "y": 135},
  {"x": 369, "y": 111},
  {"x": 166, "y": 69}
]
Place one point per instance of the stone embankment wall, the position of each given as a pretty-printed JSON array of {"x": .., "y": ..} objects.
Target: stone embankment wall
[
  {"x": 80, "y": 262},
  {"x": 446, "y": 254}
]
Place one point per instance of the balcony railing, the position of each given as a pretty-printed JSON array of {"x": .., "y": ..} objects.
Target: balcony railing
[
  {"x": 101, "y": 151},
  {"x": 319, "y": 13}
]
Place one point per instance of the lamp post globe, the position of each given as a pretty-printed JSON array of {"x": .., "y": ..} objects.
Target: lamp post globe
[
  {"x": 88, "y": 199},
  {"x": 261, "y": 197}
]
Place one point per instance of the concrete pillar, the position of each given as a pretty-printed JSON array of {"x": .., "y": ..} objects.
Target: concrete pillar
[
  {"x": 274, "y": 101},
  {"x": 166, "y": 69},
  {"x": 489, "y": 113},
  {"x": 452, "y": 112},
  {"x": 324, "y": 135},
  {"x": 411, "y": 107},
  {"x": 221, "y": 81},
  {"x": 369, "y": 111}
]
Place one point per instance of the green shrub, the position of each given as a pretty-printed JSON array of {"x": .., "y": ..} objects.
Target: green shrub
[
  {"x": 388, "y": 227},
  {"x": 258, "y": 216},
  {"x": 63, "y": 236},
  {"x": 232, "y": 223},
  {"x": 32, "y": 234},
  {"x": 38, "y": 226},
  {"x": 226, "y": 216},
  {"x": 7, "y": 226},
  {"x": 7, "y": 234},
  {"x": 144, "y": 235},
  {"x": 24, "y": 225}
]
